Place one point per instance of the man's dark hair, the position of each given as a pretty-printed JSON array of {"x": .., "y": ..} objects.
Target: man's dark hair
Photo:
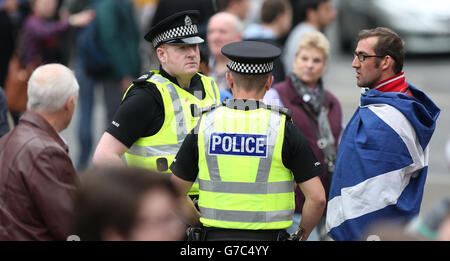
[
  {"x": 272, "y": 8},
  {"x": 302, "y": 6},
  {"x": 389, "y": 43},
  {"x": 222, "y": 5},
  {"x": 111, "y": 198}
]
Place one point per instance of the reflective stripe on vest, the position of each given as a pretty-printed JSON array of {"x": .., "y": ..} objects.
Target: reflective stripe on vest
[
  {"x": 150, "y": 151},
  {"x": 180, "y": 123},
  {"x": 146, "y": 151},
  {"x": 171, "y": 149},
  {"x": 246, "y": 187},
  {"x": 264, "y": 163},
  {"x": 247, "y": 216},
  {"x": 214, "y": 90},
  {"x": 261, "y": 186}
]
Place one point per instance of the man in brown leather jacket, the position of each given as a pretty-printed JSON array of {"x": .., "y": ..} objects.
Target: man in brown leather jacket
[{"x": 37, "y": 178}]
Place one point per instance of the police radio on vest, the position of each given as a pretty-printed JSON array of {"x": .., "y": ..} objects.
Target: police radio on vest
[{"x": 253, "y": 145}]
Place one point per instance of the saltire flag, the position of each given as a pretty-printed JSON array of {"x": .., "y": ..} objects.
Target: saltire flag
[{"x": 382, "y": 163}]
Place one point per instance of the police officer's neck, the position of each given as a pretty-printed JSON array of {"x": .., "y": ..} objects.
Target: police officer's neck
[
  {"x": 184, "y": 81},
  {"x": 247, "y": 95}
]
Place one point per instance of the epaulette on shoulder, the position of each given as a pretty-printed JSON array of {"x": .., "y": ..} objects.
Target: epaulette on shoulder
[
  {"x": 197, "y": 112},
  {"x": 143, "y": 79},
  {"x": 281, "y": 110}
]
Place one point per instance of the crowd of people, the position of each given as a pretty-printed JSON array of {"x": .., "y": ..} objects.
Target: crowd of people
[{"x": 215, "y": 124}]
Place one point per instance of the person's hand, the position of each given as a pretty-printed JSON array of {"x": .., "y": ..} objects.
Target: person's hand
[
  {"x": 82, "y": 18},
  {"x": 297, "y": 235}
]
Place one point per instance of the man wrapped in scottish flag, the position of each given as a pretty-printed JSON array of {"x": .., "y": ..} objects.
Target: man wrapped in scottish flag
[{"x": 382, "y": 161}]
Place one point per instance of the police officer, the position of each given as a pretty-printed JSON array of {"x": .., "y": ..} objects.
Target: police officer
[
  {"x": 154, "y": 116},
  {"x": 246, "y": 156}
]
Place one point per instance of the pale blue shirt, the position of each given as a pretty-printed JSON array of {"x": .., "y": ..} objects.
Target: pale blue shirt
[
  {"x": 257, "y": 31},
  {"x": 273, "y": 98}
]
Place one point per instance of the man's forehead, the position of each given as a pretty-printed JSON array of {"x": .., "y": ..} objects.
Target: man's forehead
[
  {"x": 224, "y": 24},
  {"x": 367, "y": 44},
  {"x": 224, "y": 21}
]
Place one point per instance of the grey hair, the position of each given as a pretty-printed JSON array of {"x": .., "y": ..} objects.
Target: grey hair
[
  {"x": 238, "y": 25},
  {"x": 50, "y": 86}
]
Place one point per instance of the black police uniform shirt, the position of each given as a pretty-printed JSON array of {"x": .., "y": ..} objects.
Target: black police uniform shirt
[
  {"x": 296, "y": 154},
  {"x": 141, "y": 113}
]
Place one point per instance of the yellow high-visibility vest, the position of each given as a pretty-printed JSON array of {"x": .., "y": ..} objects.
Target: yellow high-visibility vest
[
  {"x": 161, "y": 148},
  {"x": 243, "y": 181}
]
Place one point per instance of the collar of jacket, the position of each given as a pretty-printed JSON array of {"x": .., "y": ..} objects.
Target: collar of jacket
[
  {"x": 296, "y": 98},
  {"x": 395, "y": 83},
  {"x": 35, "y": 119}
]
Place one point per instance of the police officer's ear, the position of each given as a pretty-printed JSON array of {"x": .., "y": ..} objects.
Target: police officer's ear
[
  {"x": 269, "y": 82},
  {"x": 161, "y": 53},
  {"x": 229, "y": 77}
]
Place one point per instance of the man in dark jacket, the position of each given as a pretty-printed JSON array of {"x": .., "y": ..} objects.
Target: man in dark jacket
[{"x": 37, "y": 178}]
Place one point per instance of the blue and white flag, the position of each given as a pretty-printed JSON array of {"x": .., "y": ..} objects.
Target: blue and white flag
[{"x": 382, "y": 163}]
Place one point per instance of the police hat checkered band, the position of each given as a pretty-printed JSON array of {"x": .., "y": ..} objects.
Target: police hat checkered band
[
  {"x": 175, "y": 33},
  {"x": 247, "y": 68}
]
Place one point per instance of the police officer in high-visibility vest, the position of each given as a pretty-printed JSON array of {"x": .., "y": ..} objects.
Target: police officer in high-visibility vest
[
  {"x": 247, "y": 156},
  {"x": 154, "y": 116}
]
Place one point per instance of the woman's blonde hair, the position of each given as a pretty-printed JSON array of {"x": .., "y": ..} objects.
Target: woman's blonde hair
[{"x": 314, "y": 40}]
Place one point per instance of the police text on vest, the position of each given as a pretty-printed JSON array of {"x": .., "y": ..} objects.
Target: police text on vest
[{"x": 253, "y": 145}]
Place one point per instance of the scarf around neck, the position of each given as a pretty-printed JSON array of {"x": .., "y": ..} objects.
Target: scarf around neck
[{"x": 316, "y": 103}]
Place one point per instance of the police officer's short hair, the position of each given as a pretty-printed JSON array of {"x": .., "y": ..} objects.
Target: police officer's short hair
[
  {"x": 250, "y": 82},
  {"x": 389, "y": 43}
]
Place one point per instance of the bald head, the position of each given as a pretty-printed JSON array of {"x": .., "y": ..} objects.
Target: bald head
[
  {"x": 238, "y": 7},
  {"x": 223, "y": 28},
  {"x": 45, "y": 8},
  {"x": 50, "y": 86}
]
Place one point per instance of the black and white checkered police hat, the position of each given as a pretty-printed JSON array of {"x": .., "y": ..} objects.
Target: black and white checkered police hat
[
  {"x": 251, "y": 57},
  {"x": 179, "y": 28}
]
